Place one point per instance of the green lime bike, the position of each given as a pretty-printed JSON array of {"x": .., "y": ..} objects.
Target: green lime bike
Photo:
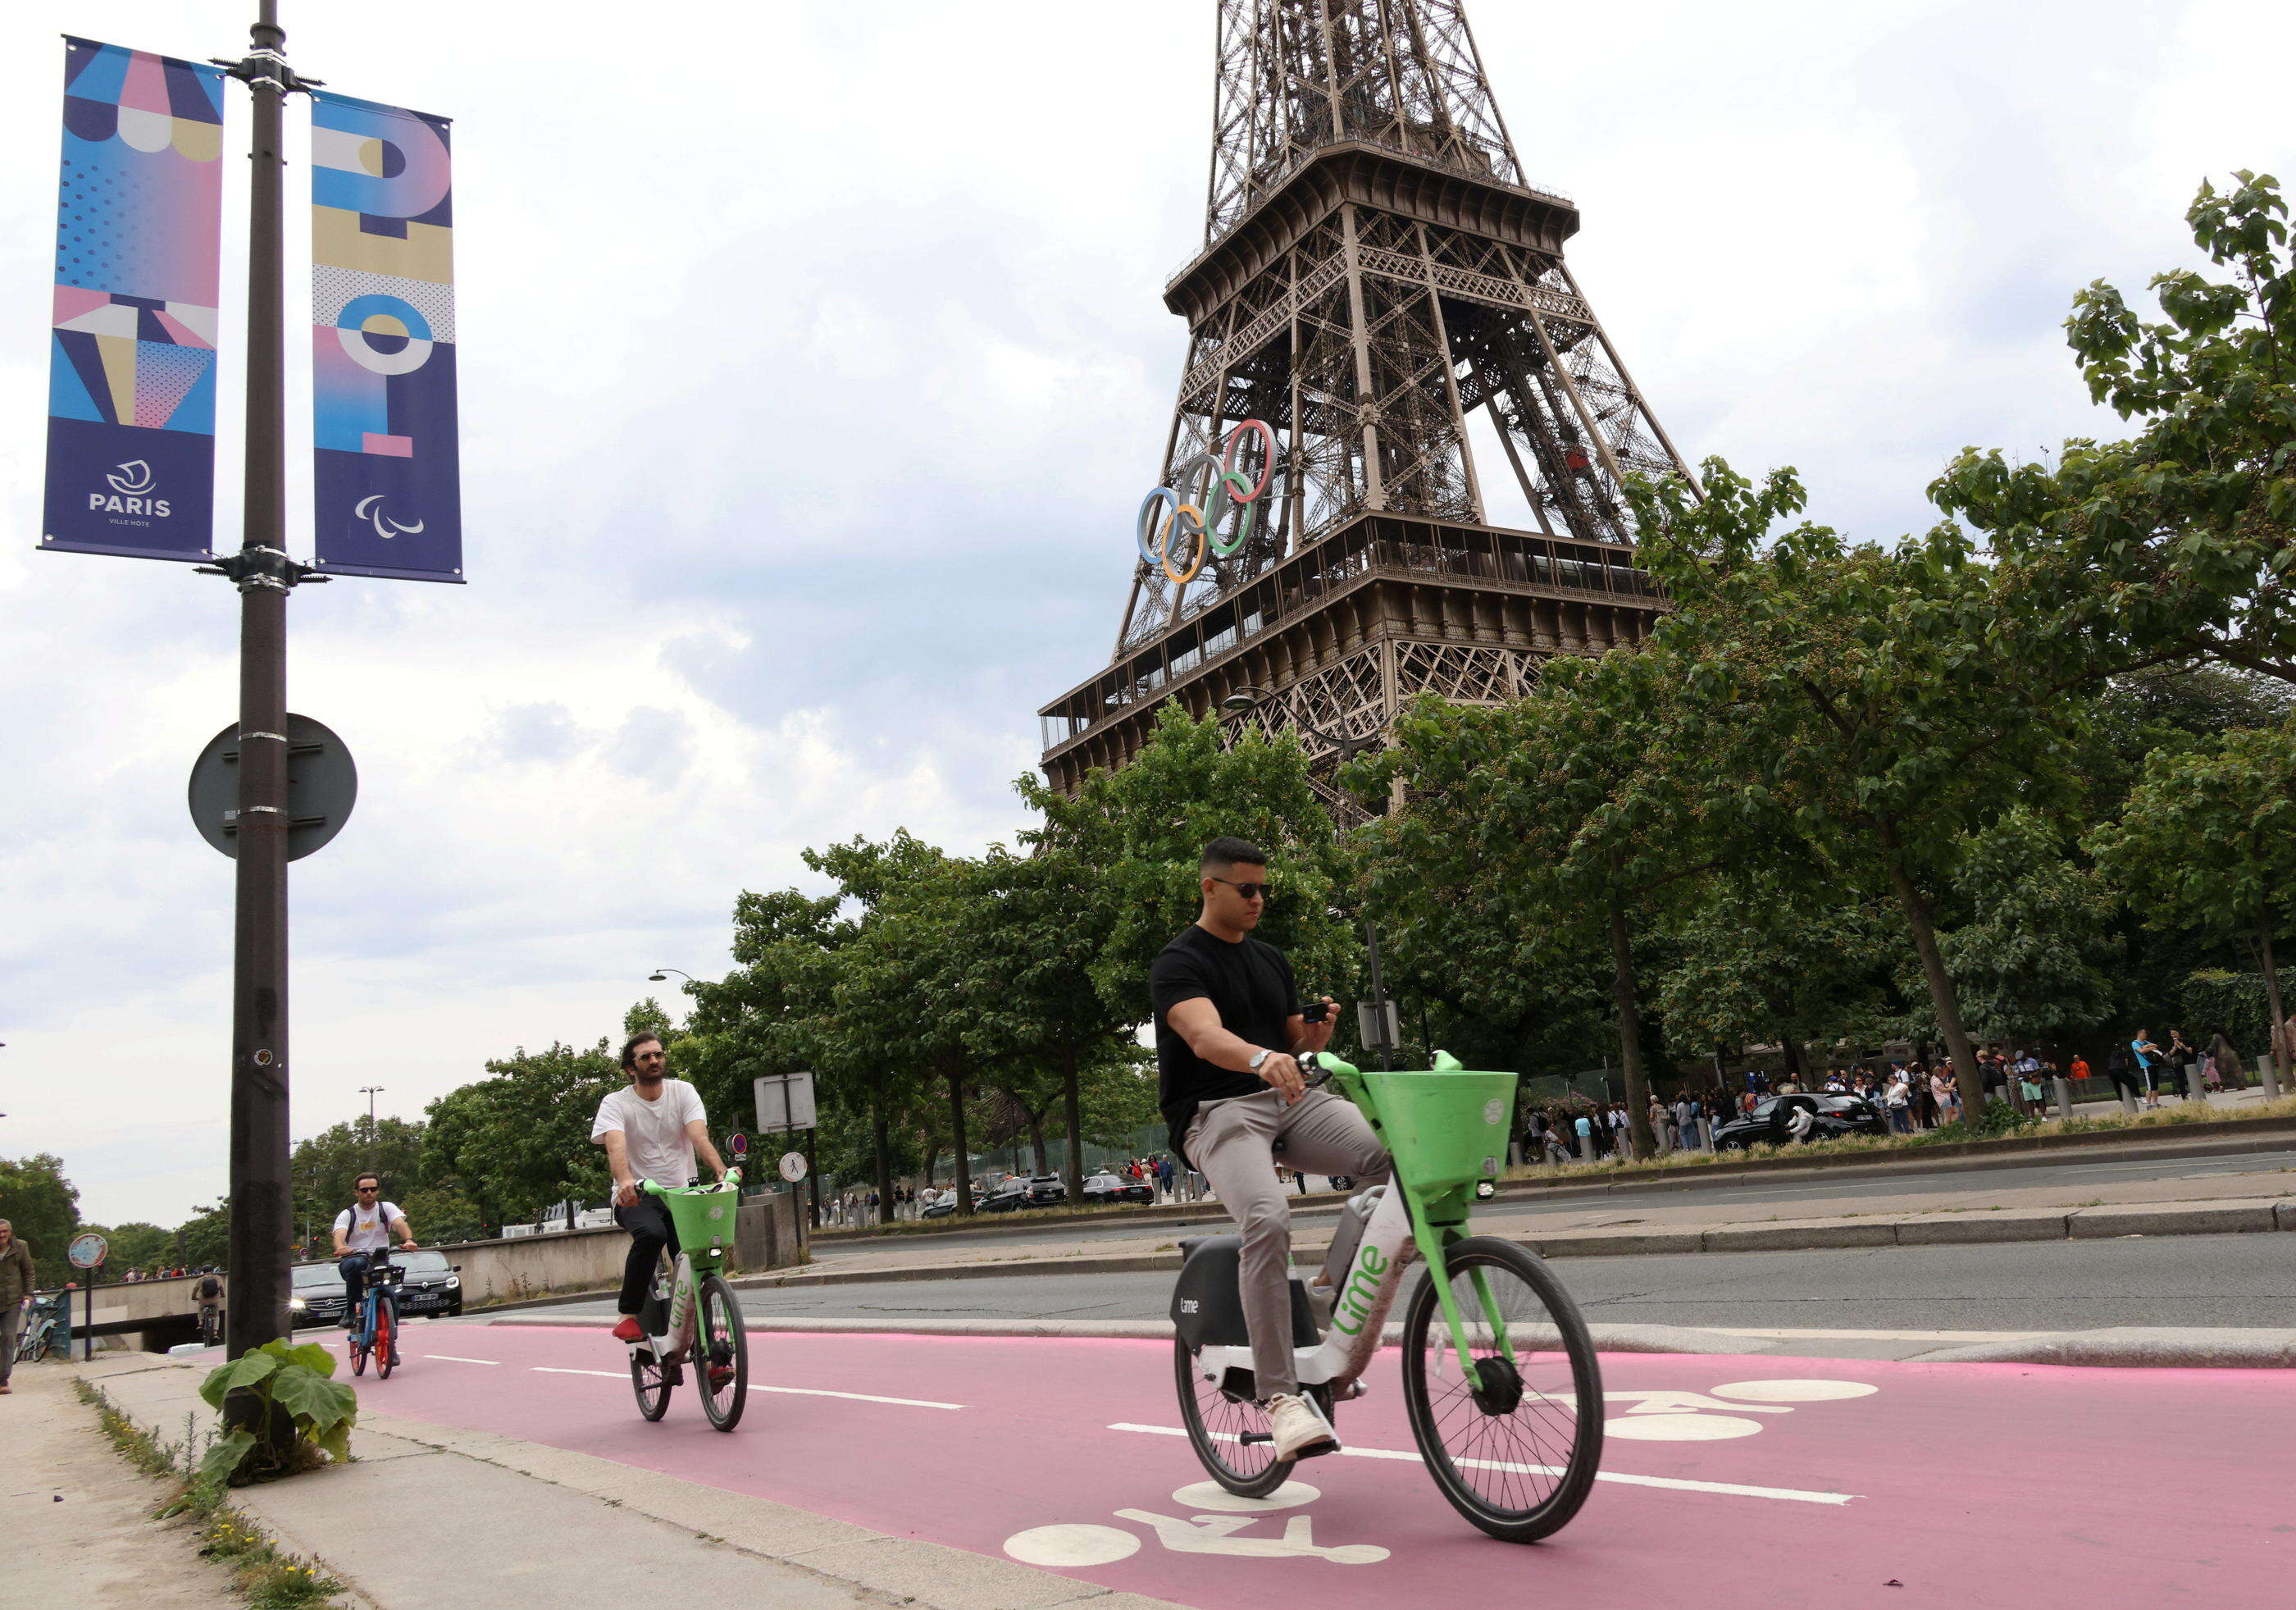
[
  {"x": 1500, "y": 1379},
  {"x": 692, "y": 1316}
]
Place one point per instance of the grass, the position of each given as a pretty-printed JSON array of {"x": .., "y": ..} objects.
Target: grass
[
  {"x": 262, "y": 1573},
  {"x": 2107, "y": 1123}
]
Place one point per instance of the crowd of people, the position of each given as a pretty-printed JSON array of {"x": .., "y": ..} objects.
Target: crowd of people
[{"x": 1910, "y": 1094}]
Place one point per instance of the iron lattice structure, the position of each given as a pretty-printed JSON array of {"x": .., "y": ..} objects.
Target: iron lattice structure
[{"x": 1375, "y": 270}]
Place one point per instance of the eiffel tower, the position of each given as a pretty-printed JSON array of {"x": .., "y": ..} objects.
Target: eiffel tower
[{"x": 1375, "y": 270}]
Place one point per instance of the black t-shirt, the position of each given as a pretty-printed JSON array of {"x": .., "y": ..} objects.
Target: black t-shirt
[{"x": 1249, "y": 983}]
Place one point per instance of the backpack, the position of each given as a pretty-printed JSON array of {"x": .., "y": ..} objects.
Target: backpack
[{"x": 211, "y": 1287}]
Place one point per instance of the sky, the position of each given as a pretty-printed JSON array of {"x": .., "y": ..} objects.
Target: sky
[{"x": 812, "y": 366}]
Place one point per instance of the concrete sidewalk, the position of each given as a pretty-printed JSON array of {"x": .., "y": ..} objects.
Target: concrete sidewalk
[{"x": 428, "y": 1519}]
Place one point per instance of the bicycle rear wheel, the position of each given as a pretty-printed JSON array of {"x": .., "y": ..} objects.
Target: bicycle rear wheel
[
  {"x": 650, "y": 1380},
  {"x": 1516, "y": 1447},
  {"x": 360, "y": 1343},
  {"x": 1230, "y": 1434},
  {"x": 722, "y": 1355}
]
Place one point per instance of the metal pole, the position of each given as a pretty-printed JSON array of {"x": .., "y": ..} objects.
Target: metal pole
[
  {"x": 260, "y": 1213},
  {"x": 370, "y": 1092},
  {"x": 1378, "y": 992}
]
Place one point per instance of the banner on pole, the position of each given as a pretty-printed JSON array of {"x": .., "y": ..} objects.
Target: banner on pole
[
  {"x": 132, "y": 356},
  {"x": 382, "y": 315}
]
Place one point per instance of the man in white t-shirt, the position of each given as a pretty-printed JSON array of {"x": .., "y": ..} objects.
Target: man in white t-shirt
[
  {"x": 650, "y": 1130},
  {"x": 361, "y": 1231}
]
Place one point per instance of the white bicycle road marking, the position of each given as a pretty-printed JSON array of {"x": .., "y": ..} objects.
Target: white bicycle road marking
[
  {"x": 1075, "y": 1543},
  {"x": 1794, "y": 1392},
  {"x": 452, "y": 1359},
  {"x": 1072, "y": 1544},
  {"x": 1671, "y": 1483},
  {"x": 802, "y": 1392}
]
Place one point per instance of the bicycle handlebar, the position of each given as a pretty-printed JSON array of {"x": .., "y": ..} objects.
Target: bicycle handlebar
[{"x": 647, "y": 1188}]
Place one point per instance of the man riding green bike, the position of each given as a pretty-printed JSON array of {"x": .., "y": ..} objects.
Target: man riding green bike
[
  {"x": 651, "y": 1130},
  {"x": 1230, "y": 1032}
]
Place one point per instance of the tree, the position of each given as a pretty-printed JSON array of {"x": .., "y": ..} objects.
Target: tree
[
  {"x": 204, "y": 1238},
  {"x": 2210, "y": 839},
  {"x": 1858, "y": 709},
  {"x": 2178, "y": 544},
  {"x": 325, "y": 1167},
  {"x": 2028, "y": 962},
  {"x": 134, "y": 1244},
  {"x": 518, "y": 1141},
  {"x": 1112, "y": 874},
  {"x": 43, "y": 1206},
  {"x": 1563, "y": 818}
]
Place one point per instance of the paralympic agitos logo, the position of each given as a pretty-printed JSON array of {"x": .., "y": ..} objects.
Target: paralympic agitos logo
[
  {"x": 131, "y": 482},
  {"x": 1209, "y": 506}
]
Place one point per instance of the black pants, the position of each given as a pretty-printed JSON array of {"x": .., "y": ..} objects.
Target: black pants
[{"x": 651, "y": 1233}]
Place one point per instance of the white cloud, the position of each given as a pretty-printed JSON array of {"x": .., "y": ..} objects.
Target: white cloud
[{"x": 810, "y": 378}]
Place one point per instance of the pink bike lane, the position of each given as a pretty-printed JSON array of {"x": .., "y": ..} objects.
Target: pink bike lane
[{"x": 1728, "y": 1480}]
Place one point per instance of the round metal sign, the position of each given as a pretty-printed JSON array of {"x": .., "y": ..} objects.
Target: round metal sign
[
  {"x": 321, "y": 784},
  {"x": 792, "y": 1166},
  {"x": 88, "y": 1251}
]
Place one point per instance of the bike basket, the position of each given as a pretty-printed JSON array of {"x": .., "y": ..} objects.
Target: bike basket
[
  {"x": 1444, "y": 1130},
  {"x": 704, "y": 1217}
]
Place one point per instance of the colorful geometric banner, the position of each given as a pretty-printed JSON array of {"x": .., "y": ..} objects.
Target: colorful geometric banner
[
  {"x": 382, "y": 318},
  {"x": 131, "y": 364}
]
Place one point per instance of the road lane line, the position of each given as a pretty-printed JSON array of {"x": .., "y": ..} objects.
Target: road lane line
[
  {"x": 451, "y": 1359},
  {"x": 1673, "y": 1483},
  {"x": 858, "y": 1397},
  {"x": 804, "y": 1392}
]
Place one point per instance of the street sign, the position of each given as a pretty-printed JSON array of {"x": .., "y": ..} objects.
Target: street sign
[
  {"x": 88, "y": 1251},
  {"x": 322, "y": 783},
  {"x": 785, "y": 1103},
  {"x": 792, "y": 1166}
]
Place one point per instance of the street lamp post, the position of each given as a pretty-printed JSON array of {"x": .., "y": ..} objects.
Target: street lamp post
[
  {"x": 1374, "y": 1018},
  {"x": 661, "y": 976},
  {"x": 370, "y": 1092}
]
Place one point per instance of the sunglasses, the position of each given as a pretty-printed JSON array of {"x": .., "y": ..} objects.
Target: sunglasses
[
  {"x": 368, "y": 1190},
  {"x": 1251, "y": 892}
]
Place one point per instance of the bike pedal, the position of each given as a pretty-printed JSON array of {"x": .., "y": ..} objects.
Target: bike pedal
[{"x": 1318, "y": 1450}]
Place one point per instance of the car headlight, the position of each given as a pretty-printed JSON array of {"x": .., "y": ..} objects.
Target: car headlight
[
  {"x": 297, "y": 1302},
  {"x": 453, "y": 1282}
]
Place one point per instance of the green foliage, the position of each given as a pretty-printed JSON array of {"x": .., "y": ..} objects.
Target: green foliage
[
  {"x": 205, "y": 1237},
  {"x": 44, "y": 1208},
  {"x": 295, "y": 1412},
  {"x": 135, "y": 1245},
  {"x": 2179, "y": 543},
  {"x": 519, "y": 1140},
  {"x": 2234, "y": 1002},
  {"x": 2030, "y": 961}
]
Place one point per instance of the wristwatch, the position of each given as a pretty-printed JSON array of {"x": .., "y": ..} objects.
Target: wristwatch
[{"x": 1261, "y": 1057}]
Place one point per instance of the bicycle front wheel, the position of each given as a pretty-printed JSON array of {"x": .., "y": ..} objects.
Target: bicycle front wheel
[
  {"x": 1514, "y": 1447},
  {"x": 722, "y": 1361},
  {"x": 1229, "y": 1433},
  {"x": 386, "y": 1339}
]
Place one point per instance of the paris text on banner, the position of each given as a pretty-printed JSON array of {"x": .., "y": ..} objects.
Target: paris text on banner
[
  {"x": 132, "y": 356},
  {"x": 383, "y": 326}
]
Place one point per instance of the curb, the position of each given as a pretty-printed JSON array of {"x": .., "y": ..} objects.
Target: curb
[
  {"x": 2137, "y": 1347},
  {"x": 2226, "y": 1138}
]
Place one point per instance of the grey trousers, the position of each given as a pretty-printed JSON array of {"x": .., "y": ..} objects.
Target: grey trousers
[
  {"x": 1232, "y": 1144},
  {"x": 12, "y": 1325}
]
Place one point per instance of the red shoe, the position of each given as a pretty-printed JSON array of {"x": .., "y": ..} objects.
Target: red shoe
[{"x": 629, "y": 1330}]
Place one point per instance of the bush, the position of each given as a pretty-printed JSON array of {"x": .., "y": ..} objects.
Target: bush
[{"x": 304, "y": 1413}]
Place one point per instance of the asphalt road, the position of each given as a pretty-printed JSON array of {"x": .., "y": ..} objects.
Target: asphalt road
[
  {"x": 1804, "y": 1190},
  {"x": 2040, "y": 1286}
]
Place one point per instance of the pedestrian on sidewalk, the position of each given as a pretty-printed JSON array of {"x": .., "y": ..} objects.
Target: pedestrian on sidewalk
[
  {"x": 2226, "y": 1056},
  {"x": 1898, "y": 1102},
  {"x": 17, "y": 1279},
  {"x": 2146, "y": 1055}
]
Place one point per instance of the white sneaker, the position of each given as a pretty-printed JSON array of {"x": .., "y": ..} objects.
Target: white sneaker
[{"x": 1299, "y": 1429}]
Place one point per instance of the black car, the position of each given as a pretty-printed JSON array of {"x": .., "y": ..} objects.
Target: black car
[
  {"x": 1117, "y": 1187},
  {"x": 1832, "y": 1117},
  {"x": 431, "y": 1287},
  {"x": 1012, "y": 1193},
  {"x": 1046, "y": 1190}
]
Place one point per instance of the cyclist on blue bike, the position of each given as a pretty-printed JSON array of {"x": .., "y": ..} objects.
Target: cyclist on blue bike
[{"x": 363, "y": 1230}]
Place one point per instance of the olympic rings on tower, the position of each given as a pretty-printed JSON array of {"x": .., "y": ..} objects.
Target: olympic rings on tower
[{"x": 1172, "y": 529}]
